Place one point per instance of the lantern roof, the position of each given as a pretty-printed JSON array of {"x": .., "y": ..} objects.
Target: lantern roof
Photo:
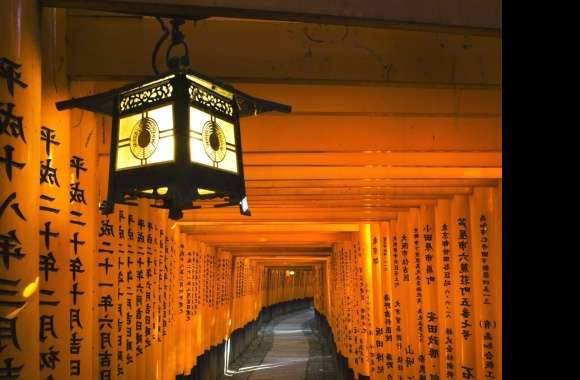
[{"x": 103, "y": 103}]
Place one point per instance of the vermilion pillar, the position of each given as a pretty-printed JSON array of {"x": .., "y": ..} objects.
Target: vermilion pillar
[{"x": 20, "y": 86}]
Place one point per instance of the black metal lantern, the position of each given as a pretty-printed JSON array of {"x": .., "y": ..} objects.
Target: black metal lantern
[{"x": 175, "y": 138}]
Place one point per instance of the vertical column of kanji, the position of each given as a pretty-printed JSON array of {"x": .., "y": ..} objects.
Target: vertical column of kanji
[
  {"x": 82, "y": 238},
  {"x": 20, "y": 94},
  {"x": 175, "y": 294},
  {"x": 270, "y": 283},
  {"x": 407, "y": 311},
  {"x": 363, "y": 256},
  {"x": 273, "y": 285},
  {"x": 140, "y": 212},
  {"x": 174, "y": 300},
  {"x": 188, "y": 353},
  {"x": 398, "y": 352},
  {"x": 165, "y": 275},
  {"x": 168, "y": 342},
  {"x": 430, "y": 309},
  {"x": 230, "y": 291},
  {"x": 55, "y": 281},
  {"x": 203, "y": 304},
  {"x": 377, "y": 301},
  {"x": 180, "y": 316},
  {"x": 217, "y": 298},
  {"x": 153, "y": 368},
  {"x": 446, "y": 292},
  {"x": 358, "y": 297},
  {"x": 354, "y": 282},
  {"x": 350, "y": 328},
  {"x": 197, "y": 276},
  {"x": 162, "y": 301},
  {"x": 130, "y": 292},
  {"x": 340, "y": 295},
  {"x": 387, "y": 298},
  {"x": 350, "y": 284},
  {"x": 227, "y": 293},
  {"x": 416, "y": 331},
  {"x": 121, "y": 265},
  {"x": 224, "y": 257},
  {"x": 150, "y": 282},
  {"x": 210, "y": 303},
  {"x": 212, "y": 294},
  {"x": 485, "y": 257},
  {"x": 188, "y": 305},
  {"x": 334, "y": 287},
  {"x": 241, "y": 300},
  {"x": 106, "y": 295},
  {"x": 462, "y": 265},
  {"x": 496, "y": 275},
  {"x": 235, "y": 292}
]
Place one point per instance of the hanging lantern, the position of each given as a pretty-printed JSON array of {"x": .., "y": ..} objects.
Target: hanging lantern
[{"x": 175, "y": 138}]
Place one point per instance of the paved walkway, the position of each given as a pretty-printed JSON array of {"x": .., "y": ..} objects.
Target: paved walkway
[{"x": 287, "y": 348}]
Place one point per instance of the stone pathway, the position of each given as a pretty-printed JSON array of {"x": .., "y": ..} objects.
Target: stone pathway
[{"x": 287, "y": 348}]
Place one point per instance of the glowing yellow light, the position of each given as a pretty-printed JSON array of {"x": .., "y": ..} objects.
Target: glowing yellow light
[
  {"x": 15, "y": 312},
  {"x": 173, "y": 226},
  {"x": 162, "y": 190},
  {"x": 220, "y": 149},
  {"x": 30, "y": 288},
  {"x": 155, "y": 145},
  {"x": 201, "y": 191}
]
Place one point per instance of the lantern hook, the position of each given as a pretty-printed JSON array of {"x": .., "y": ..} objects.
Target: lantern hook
[{"x": 177, "y": 38}]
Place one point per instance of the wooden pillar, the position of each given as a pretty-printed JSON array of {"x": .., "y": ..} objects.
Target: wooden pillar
[
  {"x": 462, "y": 265},
  {"x": 59, "y": 249},
  {"x": 432, "y": 345},
  {"x": 20, "y": 107},
  {"x": 486, "y": 252}
]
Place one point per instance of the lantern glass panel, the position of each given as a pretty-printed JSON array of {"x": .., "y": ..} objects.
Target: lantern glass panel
[
  {"x": 212, "y": 141},
  {"x": 146, "y": 138}
]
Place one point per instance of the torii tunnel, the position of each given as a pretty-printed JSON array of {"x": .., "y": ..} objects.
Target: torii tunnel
[{"x": 374, "y": 245}]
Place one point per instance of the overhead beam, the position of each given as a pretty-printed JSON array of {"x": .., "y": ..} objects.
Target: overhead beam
[
  {"x": 367, "y": 157},
  {"x": 260, "y": 237},
  {"x": 298, "y": 172},
  {"x": 448, "y": 16},
  {"x": 260, "y": 250},
  {"x": 249, "y": 51},
  {"x": 280, "y": 214},
  {"x": 267, "y": 228},
  {"x": 377, "y": 182},
  {"x": 268, "y": 133}
]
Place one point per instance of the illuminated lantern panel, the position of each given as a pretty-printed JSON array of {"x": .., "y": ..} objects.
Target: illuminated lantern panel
[
  {"x": 146, "y": 138},
  {"x": 212, "y": 141}
]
